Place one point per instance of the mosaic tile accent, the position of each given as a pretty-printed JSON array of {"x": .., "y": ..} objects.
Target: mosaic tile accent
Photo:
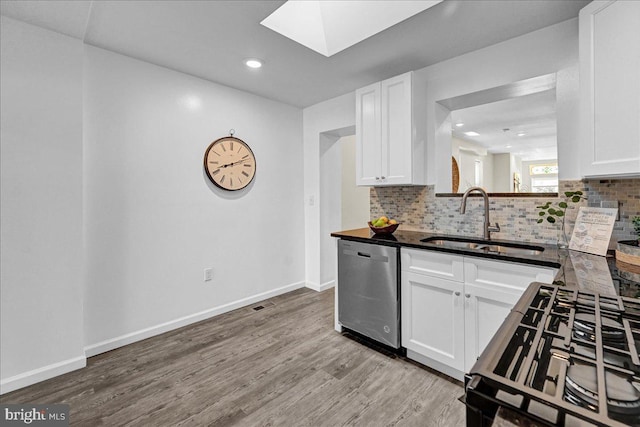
[
  {"x": 626, "y": 192},
  {"x": 417, "y": 208}
]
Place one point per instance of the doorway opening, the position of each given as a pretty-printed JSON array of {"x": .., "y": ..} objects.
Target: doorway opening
[{"x": 343, "y": 205}]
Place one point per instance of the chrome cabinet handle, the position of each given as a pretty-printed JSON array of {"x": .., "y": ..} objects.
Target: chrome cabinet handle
[
  {"x": 457, "y": 294},
  {"x": 377, "y": 178},
  {"x": 467, "y": 295},
  {"x": 382, "y": 177}
]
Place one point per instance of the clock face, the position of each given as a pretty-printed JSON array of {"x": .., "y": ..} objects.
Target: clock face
[{"x": 230, "y": 163}]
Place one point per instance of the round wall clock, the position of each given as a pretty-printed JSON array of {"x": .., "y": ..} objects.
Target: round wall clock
[{"x": 230, "y": 163}]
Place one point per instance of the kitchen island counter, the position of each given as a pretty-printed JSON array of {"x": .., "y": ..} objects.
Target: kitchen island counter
[{"x": 573, "y": 267}]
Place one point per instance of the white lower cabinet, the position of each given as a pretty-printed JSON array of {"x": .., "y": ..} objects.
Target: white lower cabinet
[
  {"x": 485, "y": 310},
  {"x": 451, "y": 310},
  {"x": 431, "y": 306},
  {"x": 491, "y": 289}
]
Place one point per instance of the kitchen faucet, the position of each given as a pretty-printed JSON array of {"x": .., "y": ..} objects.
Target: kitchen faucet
[{"x": 488, "y": 228}]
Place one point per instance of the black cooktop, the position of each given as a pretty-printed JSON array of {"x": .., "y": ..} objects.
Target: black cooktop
[{"x": 563, "y": 355}]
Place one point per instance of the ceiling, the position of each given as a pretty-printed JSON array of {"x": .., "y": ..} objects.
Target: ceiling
[
  {"x": 210, "y": 39},
  {"x": 499, "y": 123}
]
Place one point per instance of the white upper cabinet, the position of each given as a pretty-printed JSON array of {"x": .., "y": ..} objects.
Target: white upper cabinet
[
  {"x": 610, "y": 88},
  {"x": 390, "y": 132},
  {"x": 368, "y": 135}
]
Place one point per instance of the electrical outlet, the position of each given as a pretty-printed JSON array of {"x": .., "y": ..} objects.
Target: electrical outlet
[{"x": 208, "y": 274}]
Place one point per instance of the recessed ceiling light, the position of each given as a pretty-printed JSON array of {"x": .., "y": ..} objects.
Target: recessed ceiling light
[
  {"x": 521, "y": 134},
  {"x": 472, "y": 133},
  {"x": 507, "y": 146},
  {"x": 253, "y": 63},
  {"x": 459, "y": 125}
]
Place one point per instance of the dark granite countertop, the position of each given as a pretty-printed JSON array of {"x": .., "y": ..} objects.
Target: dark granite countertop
[{"x": 575, "y": 269}]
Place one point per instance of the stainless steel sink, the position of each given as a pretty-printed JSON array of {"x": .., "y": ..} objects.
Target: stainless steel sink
[
  {"x": 532, "y": 250},
  {"x": 484, "y": 245},
  {"x": 455, "y": 244}
]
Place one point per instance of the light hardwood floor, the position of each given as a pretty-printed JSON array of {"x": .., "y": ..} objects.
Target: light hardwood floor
[{"x": 283, "y": 365}]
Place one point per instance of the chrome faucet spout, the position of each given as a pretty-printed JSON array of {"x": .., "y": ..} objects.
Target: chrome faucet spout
[{"x": 488, "y": 228}]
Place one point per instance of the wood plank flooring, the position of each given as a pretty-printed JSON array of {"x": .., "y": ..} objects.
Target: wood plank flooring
[{"x": 283, "y": 365}]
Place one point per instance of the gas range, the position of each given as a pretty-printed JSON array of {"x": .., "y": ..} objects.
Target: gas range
[{"x": 563, "y": 357}]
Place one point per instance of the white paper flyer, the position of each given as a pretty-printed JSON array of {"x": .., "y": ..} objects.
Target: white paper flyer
[{"x": 592, "y": 230}]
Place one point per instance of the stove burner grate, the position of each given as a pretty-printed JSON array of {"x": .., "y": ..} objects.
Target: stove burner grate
[{"x": 575, "y": 351}]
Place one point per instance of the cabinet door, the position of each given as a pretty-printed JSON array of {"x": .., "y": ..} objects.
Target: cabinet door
[
  {"x": 610, "y": 87},
  {"x": 433, "y": 318},
  {"x": 485, "y": 310},
  {"x": 368, "y": 149},
  {"x": 396, "y": 130},
  {"x": 492, "y": 288}
]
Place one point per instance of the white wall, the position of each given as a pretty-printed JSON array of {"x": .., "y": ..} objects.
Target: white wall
[
  {"x": 502, "y": 173},
  {"x": 41, "y": 205},
  {"x": 326, "y": 117},
  {"x": 548, "y": 50},
  {"x": 153, "y": 221},
  {"x": 355, "y": 200}
]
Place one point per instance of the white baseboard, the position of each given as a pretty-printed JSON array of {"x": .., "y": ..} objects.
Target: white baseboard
[
  {"x": 35, "y": 376},
  {"x": 322, "y": 287},
  {"x": 140, "y": 335}
]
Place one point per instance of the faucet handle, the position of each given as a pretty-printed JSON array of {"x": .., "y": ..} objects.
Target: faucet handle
[{"x": 494, "y": 229}]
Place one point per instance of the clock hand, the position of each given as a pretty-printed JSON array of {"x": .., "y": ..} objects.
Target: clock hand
[
  {"x": 223, "y": 167},
  {"x": 233, "y": 163}
]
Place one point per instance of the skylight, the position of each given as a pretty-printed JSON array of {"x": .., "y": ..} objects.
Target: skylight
[{"x": 330, "y": 26}]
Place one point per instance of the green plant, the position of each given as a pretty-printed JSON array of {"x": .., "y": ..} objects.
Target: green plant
[
  {"x": 636, "y": 225},
  {"x": 552, "y": 212}
]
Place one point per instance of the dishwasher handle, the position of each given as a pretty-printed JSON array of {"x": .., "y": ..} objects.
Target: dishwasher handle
[{"x": 366, "y": 255}]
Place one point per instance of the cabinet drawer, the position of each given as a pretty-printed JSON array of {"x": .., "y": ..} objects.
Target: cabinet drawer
[
  {"x": 434, "y": 264},
  {"x": 505, "y": 274}
]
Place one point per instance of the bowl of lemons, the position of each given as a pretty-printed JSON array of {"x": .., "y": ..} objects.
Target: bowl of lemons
[{"x": 383, "y": 225}]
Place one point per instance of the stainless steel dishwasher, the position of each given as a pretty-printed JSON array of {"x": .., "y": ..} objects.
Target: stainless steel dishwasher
[{"x": 368, "y": 297}]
